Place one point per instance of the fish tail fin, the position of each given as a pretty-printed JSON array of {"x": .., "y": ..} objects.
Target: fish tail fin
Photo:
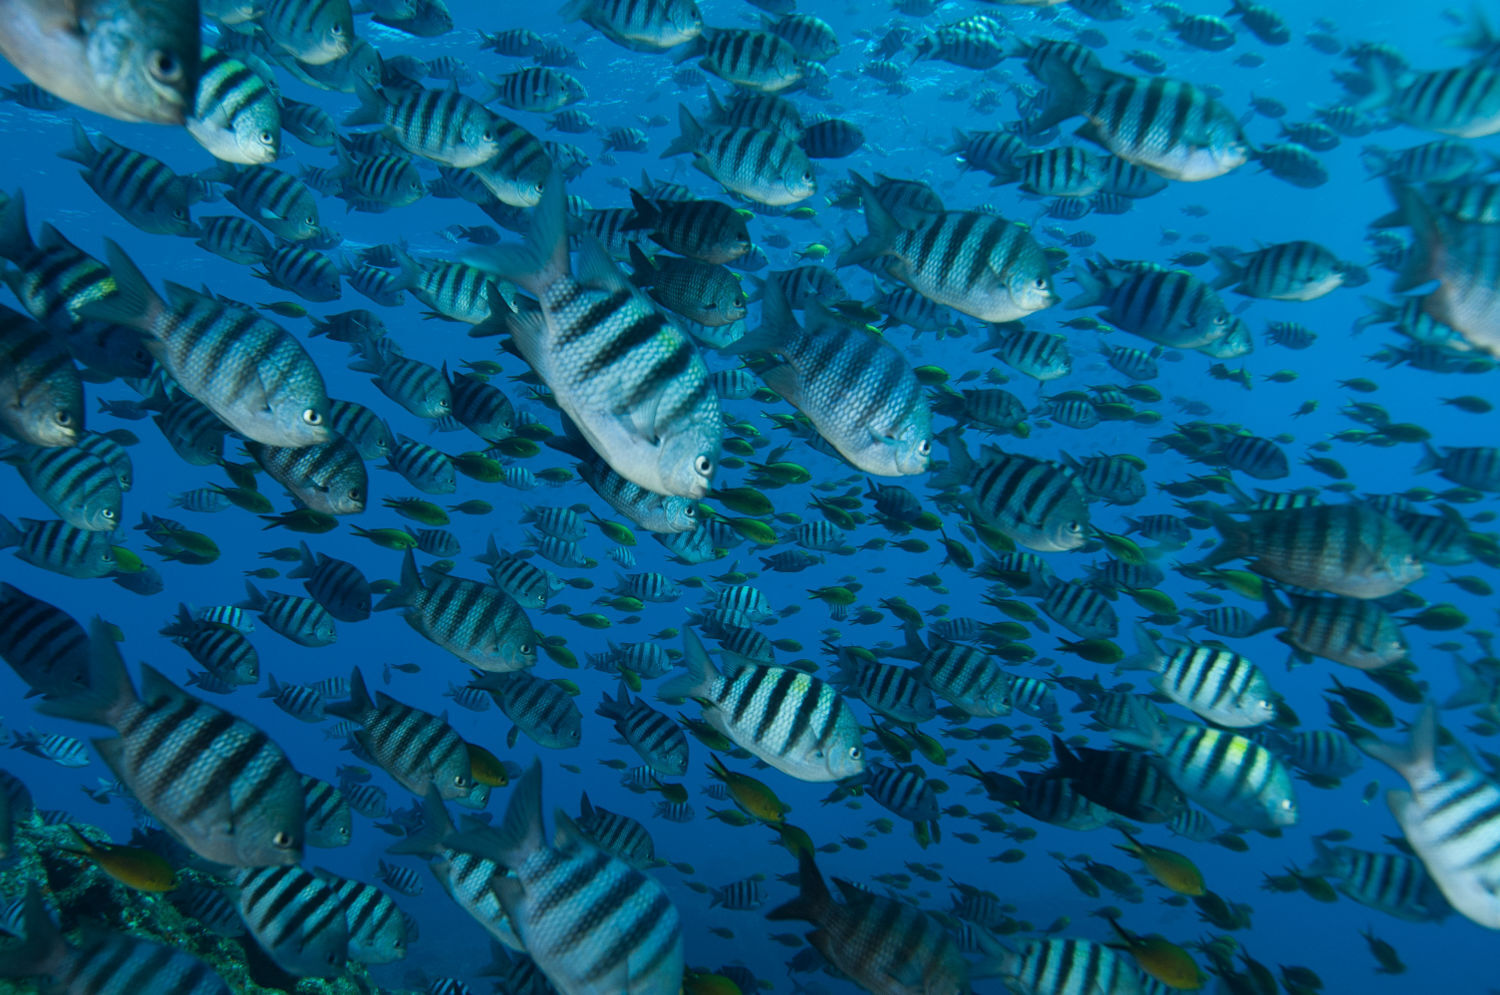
[
  {"x": 1430, "y": 460},
  {"x": 1324, "y": 862},
  {"x": 83, "y": 150},
  {"x": 544, "y": 258},
  {"x": 996, "y": 959},
  {"x": 1471, "y": 690},
  {"x": 701, "y": 673},
  {"x": 359, "y": 703},
  {"x": 522, "y": 832},
  {"x": 1275, "y": 611},
  {"x": 647, "y": 214},
  {"x": 307, "y": 565},
  {"x": 133, "y": 304},
  {"x": 883, "y": 227},
  {"x": 1234, "y": 538},
  {"x": 15, "y": 236},
  {"x": 1226, "y": 258},
  {"x": 691, "y": 134},
  {"x": 778, "y": 325},
  {"x": 1067, "y": 93},
  {"x": 1148, "y": 654},
  {"x": 1414, "y": 758},
  {"x": 1091, "y": 287},
  {"x": 437, "y": 828},
  {"x": 371, "y": 109},
  {"x": 813, "y": 900},
  {"x": 10, "y": 533},
  {"x": 1426, "y": 228},
  {"x": 42, "y": 950},
  {"x": 1145, "y": 729},
  {"x": 411, "y": 584},
  {"x": 614, "y": 708},
  {"x": 109, "y": 689}
]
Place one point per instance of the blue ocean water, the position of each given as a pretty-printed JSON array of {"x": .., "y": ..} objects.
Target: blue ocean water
[{"x": 905, "y": 136}]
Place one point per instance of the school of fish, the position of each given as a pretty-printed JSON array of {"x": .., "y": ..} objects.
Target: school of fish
[{"x": 732, "y": 362}]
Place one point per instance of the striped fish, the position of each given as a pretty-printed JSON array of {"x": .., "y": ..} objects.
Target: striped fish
[
  {"x": 370, "y": 435},
  {"x": 659, "y": 741},
  {"x": 418, "y": 387},
  {"x": 977, "y": 264},
  {"x": 1251, "y": 455},
  {"x": 455, "y": 292},
  {"x": 1062, "y": 172},
  {"x": 376, "y": 183},
  {"x": 109, "y": 963},
  {"x": 812, "y": 37},
  {"x": 1129, "y": 783},
  {"x": 529, "y": 585},
  {"x": 538, "y": 89},
  {"x": 415, "y": 747},
  {"x": 79, "y": 486},
  {"x": 1468, "y": 466},
  {"x": 429, "y": 470},
  {"x": 1286, "y": 271},
  {"x": 479, "y": 624},
  {"x": 278, "y": 201},
  {"x": 660, "y": 513},
  {"x": 369, "y": 800},
  {"x": 481, "y": 407},
  {"x": 762, "y": 165},
  {"x": 328, "y": 477},
  {"x": 1449, "y": 816},
  {"x": 1041, "y": 355},
  {"x": 308, "y": 123},
  {"x": 42, "y": 643},
  {"x": 1464, "y": 257},
  {"x": 65, "y": 751},
  {"x": 739, "y": 896},
  {"x": 335, "y": 584},
  {"x": 756, "y": 60},
  {"x": 138, "y": 187},
  {"x": 302, "y": 620},
  {"x": 1170, "y": 307},
  {"x": 967, "y": 678},
  {"x": 221, "y": 649},
  {"x": 1232, "y": 777},
  {"x": 235, "y": 116},
  {"x": 790, "y": 719},
  {"x": 1463, "y": 101},
  {"x": 297, "y": 700},
  {"x": 630, "y": 381},
  {"x": 218, "y": 783},
  {"x": 639, "y": 25},
  {"x": 250, "y": 373},
  {"x": 1216, "y": 684},
  {"x": 905, "y": 792},
  {"x": 617, "y": 835},
  {"x": 308, "y": 274},
  {"x": 315, "y": 32},
  {"x": 898, "y": 693},
  {"x": 233, "y": 238},
  {"x": 1348, "y": 549},
  {"x": 55, "y": 278},
  {"x": 539, "y": 708},
  {"x": 858, "y": 390},
  {"x": 41, "y": 394},
  {"x": 328, "y": 820},
  {"x": 874, "y": 939},
  {"x": 1396, "y": 884},
  {"x": 1039, "y": 504},
  {"x": 1169, "y": 126},
  {"x": 403, "y": 880},
  {"x": 589, "y": 920},
  {"x": 1319, "y": 754},
  {"x": 706, "y": 230},
  {"x": 377, "y": 930},
  {"x": 57, "y": 546},
  {"x": 1081, "y": 610},
  {"x": 1049, "y": 797},
  {"x": 297, "y": 919},
  {"x": 443, "y": 126},
  {"x": 1060, "y": 967}
]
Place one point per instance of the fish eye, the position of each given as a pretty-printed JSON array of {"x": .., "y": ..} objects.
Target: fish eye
[
  {"x": 703, "y": 465},
  {"x": 109, "y": 513},
  {"x": 179, "y": 213},
  {"x": 1075, "y": 527},
  {"x": 460, "y": 781},
  {"x": 266, "y": 137},
  {"x": 855, "y": 753},
  {"x": 337, "y": 29},
  {"x": 526, "y": 649},
  {"x": 63, "y": 418},
  {"x": 312, "y": 416},
  {"x": 282, "y": 839},
  {"x": 164, "y": 66},
  {"x": 691, "y": 511},
  {"x": 924, "y": 447},
  {"x": 356, "y": 494}
]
